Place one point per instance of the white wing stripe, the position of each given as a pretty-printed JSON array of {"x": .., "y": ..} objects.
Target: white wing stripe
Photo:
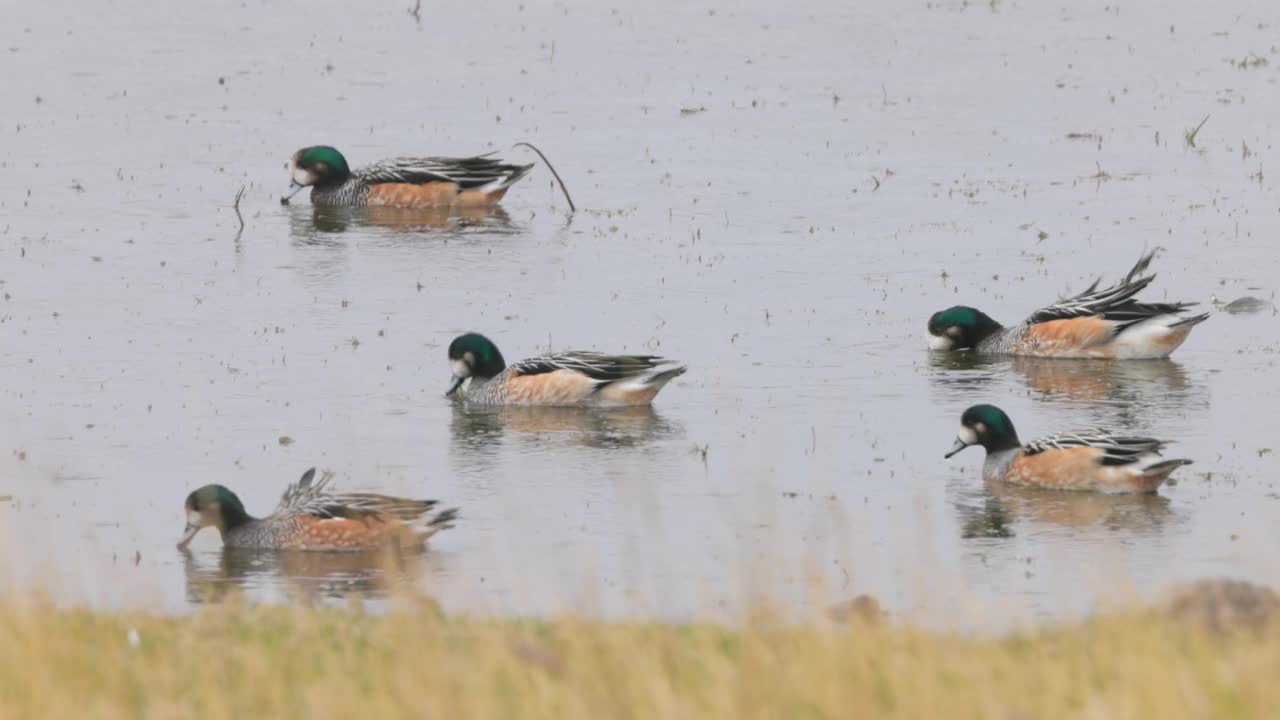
[{"x": 1125, "y": 448}]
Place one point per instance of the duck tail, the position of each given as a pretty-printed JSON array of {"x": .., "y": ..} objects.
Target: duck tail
[
  {"x": 640, "y": 388},
  {"x": 1188, "y": 323},
  {"x": 1151, "y": 477},
  {"x": 429, "y": 525},
  {"x": 514, "y": 174},
  {"x": 442, "y": 520},
  {"x": 662, "y": 374},
  {"x": 1163, "y": 468},
  {"x": 1148, "y": 331}
]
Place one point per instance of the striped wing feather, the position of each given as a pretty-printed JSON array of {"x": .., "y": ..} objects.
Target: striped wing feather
[
  {"x": 303, "y": 494},
  {"x": 1114, "y": 303},
  {"x": 309, "y": 496},
  {"x": 597, "y": 366},
  {"x": 1116, "y": 449},
  {"x": 465, "y": 172}
]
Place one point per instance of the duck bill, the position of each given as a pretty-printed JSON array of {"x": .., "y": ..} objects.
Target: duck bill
[
  {"x": 957, "y": 447},
  {"x": 294, "y": 189},
  {"x": 188, "y": 533},
  {"x": 453, "y": 388}
]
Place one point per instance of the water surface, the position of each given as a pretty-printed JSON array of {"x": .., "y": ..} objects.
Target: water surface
[{"x": 836, "y": 175}]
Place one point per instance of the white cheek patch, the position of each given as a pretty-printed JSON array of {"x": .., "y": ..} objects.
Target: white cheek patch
[
  {"x": 940, "y": 342},
  {"x": 967, "y": 435},
  {"x": 460, "y": 369},
  {"x": 194, "y": 518},
  {"x": 302, "y": 177}
]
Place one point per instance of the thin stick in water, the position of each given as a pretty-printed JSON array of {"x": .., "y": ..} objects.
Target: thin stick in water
[
  {"x": 1191, "y": 134},
  {"x": 550, "y": 167},
  {"x": 236, "y": 206}
]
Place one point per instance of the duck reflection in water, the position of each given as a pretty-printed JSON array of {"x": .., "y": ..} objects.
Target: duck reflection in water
[
  {"x": 997, "y": 508},
  {"x": 1103, "y": 380},
  {"x": 602, "y": 428},
  {"x": 307, "y": 224},
  {"x": 303, "y": 577},
  {"x": 1140, "y": 382}
]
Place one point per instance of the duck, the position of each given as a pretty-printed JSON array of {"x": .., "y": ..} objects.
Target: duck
[
  {"x": 310, "y": 517},
  {"x": 1090, "y": 460},
  {"x": 575, "y": 378},
  {"x": 1106, "y": 323},
  {"x": 405, "y": 182}
]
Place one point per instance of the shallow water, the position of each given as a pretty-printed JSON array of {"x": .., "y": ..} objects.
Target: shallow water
[{"x": 845, "y": 174}]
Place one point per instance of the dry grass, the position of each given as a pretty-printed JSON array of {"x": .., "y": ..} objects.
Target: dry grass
[{"x": 236, "y": 661}]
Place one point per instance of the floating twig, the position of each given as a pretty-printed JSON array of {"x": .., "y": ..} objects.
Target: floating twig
[
  {"x": 1191, "y": 134},
  {"x": 236, "y": 206},
  {"x": 550, "y": 167}
]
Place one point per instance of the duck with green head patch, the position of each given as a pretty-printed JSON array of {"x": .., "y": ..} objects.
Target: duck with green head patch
[
  {"x": 575, "y": 378},
  {"x": 309, "y": 517},
  {"x": 1106, "y": 323},
  {"x": 432, "y": 182},
  {"x": 1094, "y": 460}
]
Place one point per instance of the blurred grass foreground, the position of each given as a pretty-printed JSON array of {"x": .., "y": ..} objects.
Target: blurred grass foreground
[{"x": 1211, "y": 652}]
